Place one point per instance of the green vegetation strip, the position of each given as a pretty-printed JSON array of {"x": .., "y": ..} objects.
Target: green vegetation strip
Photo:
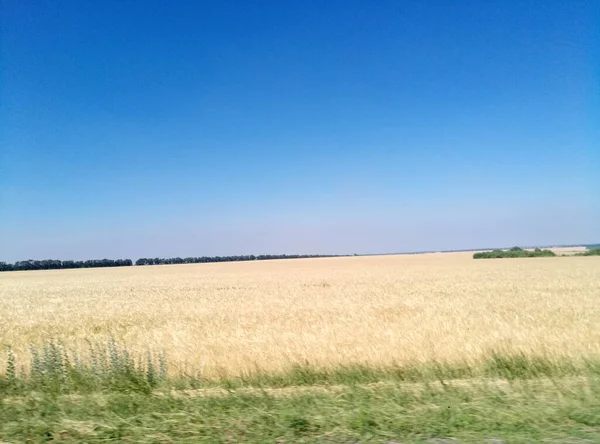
[
  {"x": 589, "y": 252},
  {"x": 519, "y": 411},
  {"x": 516, "y": 252},
  {"x": 110, "y": 396}
]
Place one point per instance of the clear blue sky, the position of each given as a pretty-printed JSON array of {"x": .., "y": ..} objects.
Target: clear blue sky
[{"x": 156, "y": 128}]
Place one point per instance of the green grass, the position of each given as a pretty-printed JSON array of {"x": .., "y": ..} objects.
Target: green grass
[
  {"x": 522, "y": 411},
  {"x": 111, "y": 396}
]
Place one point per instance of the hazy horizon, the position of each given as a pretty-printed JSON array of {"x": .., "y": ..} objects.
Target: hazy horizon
[
  {"x": 189, "y": 129},
  {"x": 274, "y": 241}
]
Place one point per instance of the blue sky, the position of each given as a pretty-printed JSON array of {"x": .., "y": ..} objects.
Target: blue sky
[{"x": 181, "y": 128}]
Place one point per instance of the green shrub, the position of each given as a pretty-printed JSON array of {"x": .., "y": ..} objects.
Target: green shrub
[
  {"x": 514, "y": 253},
  {"x": 591, "y": 252},
  {"x": 55, "y": 369}
]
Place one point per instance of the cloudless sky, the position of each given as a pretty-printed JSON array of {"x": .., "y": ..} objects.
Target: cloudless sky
[{"x": 185, "y": 128}]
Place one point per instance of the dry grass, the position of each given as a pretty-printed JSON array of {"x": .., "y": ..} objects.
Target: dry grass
[{"x": 233, "y": 318}]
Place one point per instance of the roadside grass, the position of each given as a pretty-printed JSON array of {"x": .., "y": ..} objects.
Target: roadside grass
[
  {"x": 112, "y": 396},
  {"x": 519, "y": 411}
]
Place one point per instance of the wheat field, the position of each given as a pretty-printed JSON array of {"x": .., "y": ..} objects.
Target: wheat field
[{"x": 234, "y": 318}]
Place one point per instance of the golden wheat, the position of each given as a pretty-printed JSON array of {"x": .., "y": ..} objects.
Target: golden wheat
[{"x": 234, "y": 318}]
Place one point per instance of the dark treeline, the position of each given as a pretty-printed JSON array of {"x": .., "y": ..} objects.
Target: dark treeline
[
  {"x": 53, "y": 264},
  {"x": 206, "y": 259}
]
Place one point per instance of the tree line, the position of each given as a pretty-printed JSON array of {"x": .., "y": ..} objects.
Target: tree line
[
  {"x": 53, "y": 264},
  {"x": 206, "y": 259}
]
